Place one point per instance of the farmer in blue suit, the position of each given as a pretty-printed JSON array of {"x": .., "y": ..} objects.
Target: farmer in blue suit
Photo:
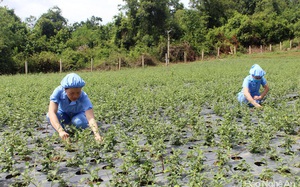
[
  {"x": 250, "y": 93},
  {"x": 70, "y": 105}
]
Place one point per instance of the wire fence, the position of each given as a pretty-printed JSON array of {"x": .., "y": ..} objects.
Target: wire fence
[{"x": 204, "y": 55}]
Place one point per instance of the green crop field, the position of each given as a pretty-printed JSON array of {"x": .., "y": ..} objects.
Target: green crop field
[{"x": 177, "y": 125}]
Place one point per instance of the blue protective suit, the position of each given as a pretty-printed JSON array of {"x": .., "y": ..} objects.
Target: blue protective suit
[
  {"x": 71, "y": 111},
  {"x": 253, "y": 84}
]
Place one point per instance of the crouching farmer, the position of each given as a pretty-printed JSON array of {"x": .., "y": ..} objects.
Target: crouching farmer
[
  {"x": 69, "y": 104},
  {"x": 251, "y": 86}
]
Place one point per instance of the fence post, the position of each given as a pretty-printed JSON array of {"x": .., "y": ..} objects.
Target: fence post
[
  {"x": 26, "y": 67},
  {"x": 202, "y": 55},
  {"x": 234, "y": 50},
  {"x": 249, "y": 49},
  {"x": 218, "y": 52},
  {"x": 91, "y": 64},
  {"x": 60, "y": 66},
  {"x": 261, "y": 49},
  {"x": 166, "y": 56},
  {"x": 270, "y": 47},
  {"x": 291, "y": 42},
  {"x": 143, "y": 61},
  {"x": 168, "y": 52},
  {"x": 185, "y": 56},
  {"x": 280, "y": 46},
  {"x": 119, "y": 63}
]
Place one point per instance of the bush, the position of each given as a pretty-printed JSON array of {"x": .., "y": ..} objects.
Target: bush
[
  {"x": 74, "y": 60},
  {"x": 43, "y": 62}
]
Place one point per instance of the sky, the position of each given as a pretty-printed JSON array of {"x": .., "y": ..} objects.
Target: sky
[{"x": 72, "y": 10}]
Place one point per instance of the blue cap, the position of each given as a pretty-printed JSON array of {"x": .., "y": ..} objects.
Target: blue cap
[
  {"x": 257, "y": 71},
  {"x": 72, "y": 80}
]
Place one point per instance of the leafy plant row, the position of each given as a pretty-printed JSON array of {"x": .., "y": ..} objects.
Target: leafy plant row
[{"x": 177, "y": 125}]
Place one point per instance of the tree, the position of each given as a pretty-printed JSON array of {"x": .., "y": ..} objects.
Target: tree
[
  {"x": 30, "y": 21},
  {"x": 51, "y": 22},
  {"x": 49, "y": 33},
  {"x": 246, "y": 7},
  {"x": 272, "y": 6},
  {"x": 229, "y": 35},
  {"x": 145, "y": 21},
  {"x": 12, "y": 40},
  {"x": 217, "y": 11},
  {"x": 193, "y": 27}
]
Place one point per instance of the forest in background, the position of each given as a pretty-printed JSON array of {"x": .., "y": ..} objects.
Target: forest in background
[{"x": 142, "y": 27}]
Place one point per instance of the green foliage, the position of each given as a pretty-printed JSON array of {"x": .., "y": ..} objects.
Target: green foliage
[
  {"x": 43, "y": 62},
  {"x": 167, "y": 126},
  {"x": 50, "y": 23},
  {"x": 12, "y": 40},
  {"x": 246, "y": 7},
  {"x": 192, "y": 24},
  {"x": 83, "y": 36},
  {"x": 297, "y": 29},
  {"x": 74, "y": 60},
  {"x": 142, "y": 27}
]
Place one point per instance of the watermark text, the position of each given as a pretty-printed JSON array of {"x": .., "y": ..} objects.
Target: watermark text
[{"x": 270, "y": 184}]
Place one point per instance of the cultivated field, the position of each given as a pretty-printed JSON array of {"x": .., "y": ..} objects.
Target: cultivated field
[{"x": 179, "y": 125}]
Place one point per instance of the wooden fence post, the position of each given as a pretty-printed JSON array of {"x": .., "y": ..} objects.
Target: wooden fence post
[
  {"x": 185, "y": 57},
  {"x": 270, "y": 47},
  {"x": 166, "y": 56},
  {"x": 231, "y": 50},
  {"x": 218, "y": 53},
  {"x": 202, "y": 55},
  {"x": 119, "y": 63},
  {"x": 249, "y": 49},
  {"x": 280, "y": 46},
  {"x": 261, "y": 49},
  {"x": 26, "y": 67},
  {"x": 91, "y": 64},
  {"x": 60, "y": 66},
  {"x": 143, "y": 61}
]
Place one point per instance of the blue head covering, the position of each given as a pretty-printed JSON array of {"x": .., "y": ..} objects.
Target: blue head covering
[
  {"x": 72, "y": 80},
  {"x": 257, "y": 71}
]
